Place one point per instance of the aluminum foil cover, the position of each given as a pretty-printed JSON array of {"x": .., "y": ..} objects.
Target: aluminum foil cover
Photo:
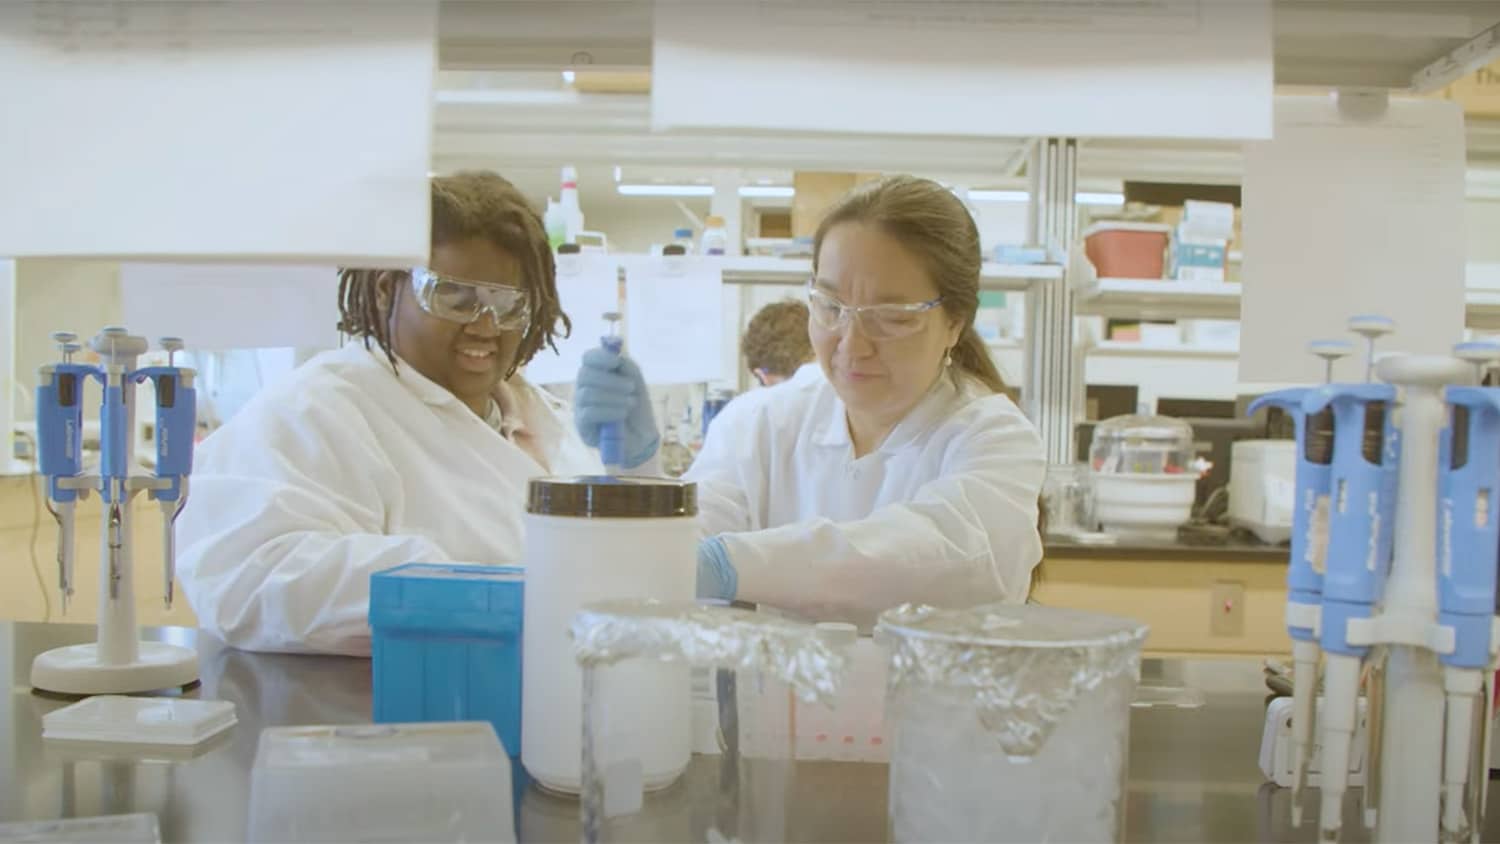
[
  {"x": 1024, "y": 665},
  {"x": 711, "y": 637}
]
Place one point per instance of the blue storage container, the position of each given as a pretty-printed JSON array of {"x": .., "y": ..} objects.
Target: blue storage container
[{"x": 447, "y": 646}]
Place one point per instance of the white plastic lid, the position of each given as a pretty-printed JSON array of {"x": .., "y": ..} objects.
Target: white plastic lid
[
  {"x": 413, "y": 746},
  {"x": 125, "y": 829},
  {"x": 140, "y": 720},
  {"x": 1124, "y": 226},
  {"x": 457, "y": 571}
]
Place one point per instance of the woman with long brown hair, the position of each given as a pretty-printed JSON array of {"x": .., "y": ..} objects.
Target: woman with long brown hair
[{"x": 906, "y": 475}]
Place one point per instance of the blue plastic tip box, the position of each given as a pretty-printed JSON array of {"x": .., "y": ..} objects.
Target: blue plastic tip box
[{"x": 447, "y": 646}]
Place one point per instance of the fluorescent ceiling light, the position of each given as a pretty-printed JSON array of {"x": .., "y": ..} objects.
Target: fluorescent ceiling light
[
  {"x": 767, "y": 191},
  {"x": 1082, "y": 198},
  {"x": 665, "y": 190},
  {"x": 746, "y": 191}
]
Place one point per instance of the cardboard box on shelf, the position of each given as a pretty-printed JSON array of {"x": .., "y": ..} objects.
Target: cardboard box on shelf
[
  {"x": 1199, "y": 261},
  {"x": 1172, "y": 197},
  {"x": 1477, "y": 92},
  {"x": 1153, "y": 333}
]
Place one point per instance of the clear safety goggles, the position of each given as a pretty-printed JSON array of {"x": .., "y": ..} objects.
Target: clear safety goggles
[
  {"x": 877, "y": 322},
  {"x": 464, "y": 302}
]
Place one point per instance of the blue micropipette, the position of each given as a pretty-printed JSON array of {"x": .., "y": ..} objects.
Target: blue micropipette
[
  {"x": 176, "y": 427},
  {"x": 1361, "y": 516},
  {"x": 59, "y": 433},
  {"x": 1306, "y": 561},
  {"x": 1468, "y": 533}
]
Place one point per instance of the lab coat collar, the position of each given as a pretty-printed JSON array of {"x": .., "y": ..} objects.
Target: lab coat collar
[
  {"x": 808, "y": 373},
  {"x": 933, "y": 406},
  {"x": 424, "y": 388},
  {"x": 530, "y": 417},
  {"x": 432, "y": 393}
]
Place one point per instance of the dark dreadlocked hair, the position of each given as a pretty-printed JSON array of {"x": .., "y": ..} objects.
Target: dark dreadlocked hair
[{"x": 469, "y": 204}]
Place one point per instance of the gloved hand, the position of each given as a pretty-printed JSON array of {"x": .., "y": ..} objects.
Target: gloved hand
[
  {"x": 716, "y": 575},
  {"x": 611, "y": 389}
]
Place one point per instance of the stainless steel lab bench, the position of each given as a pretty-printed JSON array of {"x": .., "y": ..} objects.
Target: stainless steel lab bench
[{"x": 1193, "y": 774}]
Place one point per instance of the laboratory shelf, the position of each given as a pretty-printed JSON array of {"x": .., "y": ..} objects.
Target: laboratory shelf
[
  {"x": 1136, "y": 298},
  {"x": 1139, "y": 298},
  {"x": 1122, "y": 349},
  {"x": 796, "y": 271},
  {"x": 1482, "y": 309}
]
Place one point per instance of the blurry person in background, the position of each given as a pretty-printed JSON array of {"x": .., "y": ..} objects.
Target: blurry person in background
[{"x": 776, "y": 346}]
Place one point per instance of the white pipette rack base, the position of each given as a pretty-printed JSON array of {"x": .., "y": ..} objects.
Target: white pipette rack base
[{"x": 77, "y": 670}]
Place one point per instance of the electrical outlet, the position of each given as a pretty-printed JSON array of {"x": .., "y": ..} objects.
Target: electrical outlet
[{"x": 1227, "y": 609}]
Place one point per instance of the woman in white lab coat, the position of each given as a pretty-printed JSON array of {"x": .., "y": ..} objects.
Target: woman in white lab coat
[
  {"x": 414, "y": 442},
  {"x": 905, "y": 475}
]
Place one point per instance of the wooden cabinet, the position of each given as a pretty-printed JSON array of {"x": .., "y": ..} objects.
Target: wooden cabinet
[
  {"x": 28, "y": 550},
  {"x": 1197, "y": 607}
]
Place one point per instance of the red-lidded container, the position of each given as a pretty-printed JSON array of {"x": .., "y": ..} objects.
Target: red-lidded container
[{"x": 1127, "y": 250}]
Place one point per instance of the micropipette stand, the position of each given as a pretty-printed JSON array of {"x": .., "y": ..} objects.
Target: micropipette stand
[
  {"x": 1410, "y": 586},
  {"x": 119, "y": 662}
]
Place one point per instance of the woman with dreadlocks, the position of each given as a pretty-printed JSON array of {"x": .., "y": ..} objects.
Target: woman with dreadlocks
[{"x": 414, "y": 442}]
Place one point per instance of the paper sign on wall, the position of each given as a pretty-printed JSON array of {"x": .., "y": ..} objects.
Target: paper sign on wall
[
  {"x": 587, "y": 288},
  {"x": 1347, "y": 216},
  {"x": 238, "y": 130},
  {"x": 225, "y": 306},
  {"x": 1105, "y": 68},
  {"x": 675, "y": 318}
]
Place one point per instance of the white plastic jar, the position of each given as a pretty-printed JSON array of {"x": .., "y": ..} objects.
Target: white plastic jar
[{"x": 593, "y": 539}]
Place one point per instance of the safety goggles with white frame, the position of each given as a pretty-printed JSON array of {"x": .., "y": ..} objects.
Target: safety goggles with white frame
[{"x": 460, "y": 301}]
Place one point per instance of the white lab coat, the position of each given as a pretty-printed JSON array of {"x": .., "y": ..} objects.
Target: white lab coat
[
  {"x": 944, "y": 512},
  {"x": 344, "y": 469},
  {"x": 746, "y": 404}
]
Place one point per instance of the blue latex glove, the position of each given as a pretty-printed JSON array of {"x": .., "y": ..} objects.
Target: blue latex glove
[
  {"x": 611, "y": 389},
  {"x": 716, "y": 575}
]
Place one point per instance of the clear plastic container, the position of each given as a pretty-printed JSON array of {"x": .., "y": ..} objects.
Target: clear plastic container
[
  {"x": 1068, "y": 500},
  {"x": 763, "y": 666},
  {"x": 1144, "y": 477},
  {"x": 1142, "y": 445},
  {"x": 853, "y": 729},
  {"x": 1009, "y": 723},
  {"x": 387, "y": 782}
]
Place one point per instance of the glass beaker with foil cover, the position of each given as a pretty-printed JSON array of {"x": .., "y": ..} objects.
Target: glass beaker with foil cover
[
  {"x": 762, "y": 666},
  {"x": 1009, "y": 723}
]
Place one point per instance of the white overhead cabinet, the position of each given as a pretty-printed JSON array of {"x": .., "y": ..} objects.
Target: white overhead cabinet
[{"x": 241, "y": 131}]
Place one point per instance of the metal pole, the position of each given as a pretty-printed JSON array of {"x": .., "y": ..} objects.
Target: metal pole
[{"x": 1051, "y": 376}]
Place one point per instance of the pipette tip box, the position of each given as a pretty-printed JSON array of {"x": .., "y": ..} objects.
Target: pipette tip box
[
  {"x": 114, "y": 828},
  {"x": 140, "y": 720},
  {"x": 447, "y": 646},
  {"x": 117, "y": 829},
  {"x": 386, "y": 782}
]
